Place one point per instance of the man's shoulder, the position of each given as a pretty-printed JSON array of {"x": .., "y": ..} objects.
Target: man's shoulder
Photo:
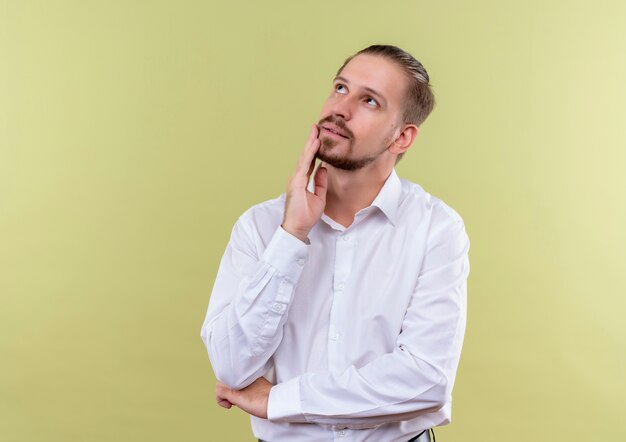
[
  {"x": 265, "y": 213},
  {"x": 258, "y": 223},
  {"x": 415, "y": 196}
]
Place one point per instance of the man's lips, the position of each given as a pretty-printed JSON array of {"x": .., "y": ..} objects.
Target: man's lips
[{"x": 332, "y": 130}]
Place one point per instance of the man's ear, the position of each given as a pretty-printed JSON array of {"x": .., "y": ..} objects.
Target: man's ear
[{"x": 404, "y": 140}]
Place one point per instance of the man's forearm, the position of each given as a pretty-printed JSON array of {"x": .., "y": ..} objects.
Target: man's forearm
[
  {"x": 249, "y": 305},
  {"x": 252, "y": 399},
  {"x": 392, "y": 388}
]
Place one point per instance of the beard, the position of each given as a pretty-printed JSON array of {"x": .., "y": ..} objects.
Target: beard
[
  {"x": 328, "y": 151},
  {"x": 339, "y": 161}
]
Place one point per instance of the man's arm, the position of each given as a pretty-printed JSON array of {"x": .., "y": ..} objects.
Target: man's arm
[
  {"x": 252, "y": 399},
  {"x": 415, "y": 378},
  {"x": 249, "y": 304},
  {"x": 252, "y": 294}
]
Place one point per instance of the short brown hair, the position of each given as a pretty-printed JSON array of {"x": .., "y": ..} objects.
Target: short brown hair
[{"x": 420, "y": 99}]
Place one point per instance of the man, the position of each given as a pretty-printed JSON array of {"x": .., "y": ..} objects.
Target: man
[{"x": 338, "y": 311}]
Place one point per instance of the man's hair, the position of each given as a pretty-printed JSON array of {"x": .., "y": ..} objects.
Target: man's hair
[{"x": 419, "y": 100}]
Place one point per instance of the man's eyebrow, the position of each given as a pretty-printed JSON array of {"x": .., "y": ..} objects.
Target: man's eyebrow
[{"x": 368, "y": 89}]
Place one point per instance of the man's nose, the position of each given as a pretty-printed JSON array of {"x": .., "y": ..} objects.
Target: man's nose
[{"x": 342, "y": 107}]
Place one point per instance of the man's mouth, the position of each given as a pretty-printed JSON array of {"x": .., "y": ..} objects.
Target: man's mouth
[{"x": 334, "y": 131}]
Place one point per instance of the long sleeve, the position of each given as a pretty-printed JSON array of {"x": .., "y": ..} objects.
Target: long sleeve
[
  {"x": 413, "y": 379},
  {"x": 250, "y": 302}
]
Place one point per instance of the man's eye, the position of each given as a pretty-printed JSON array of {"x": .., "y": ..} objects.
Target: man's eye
[
  {"x": 340, "y": 88},
  {"x": 371, "y": 101}
]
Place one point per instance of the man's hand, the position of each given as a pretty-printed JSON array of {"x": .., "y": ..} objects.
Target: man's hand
[
  {"x": 252, "y": 399},
  {"x": 303, "y": 208}
]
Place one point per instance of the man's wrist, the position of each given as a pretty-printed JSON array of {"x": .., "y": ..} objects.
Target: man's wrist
[
  {"x": 283, "y": 402},
  {"x": 301, "y": 235}
]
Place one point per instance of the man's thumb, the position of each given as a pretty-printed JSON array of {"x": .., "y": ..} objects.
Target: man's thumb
[{"x": 321, "y": 182}]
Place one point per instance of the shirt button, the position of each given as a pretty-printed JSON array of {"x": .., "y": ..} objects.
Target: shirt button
[
  {"x": 346, "y": 238},
  {"x": 301, "y": 262},
  {"x": 278, "y": 307},
  {"x": 340, "y": 286},
  {"x": 341, "y": 433},
  {"x": 334, "y": 337}
]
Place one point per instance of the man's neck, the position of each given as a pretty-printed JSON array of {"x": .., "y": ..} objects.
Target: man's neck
[{"x": 350, "y": 191}]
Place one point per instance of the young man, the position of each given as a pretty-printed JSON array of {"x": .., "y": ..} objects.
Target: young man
[{"x": 338, "y": 312}]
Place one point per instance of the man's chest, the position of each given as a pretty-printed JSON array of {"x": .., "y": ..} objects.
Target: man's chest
[{"x": 352, "y": 296}]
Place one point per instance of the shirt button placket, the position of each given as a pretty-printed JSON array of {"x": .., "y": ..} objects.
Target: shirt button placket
[{"x": 344, "y": 253}]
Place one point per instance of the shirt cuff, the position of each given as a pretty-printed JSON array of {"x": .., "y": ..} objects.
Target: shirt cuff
[
  {"x": 283, "y": 404},
  {"x": 287, "y": 254}
]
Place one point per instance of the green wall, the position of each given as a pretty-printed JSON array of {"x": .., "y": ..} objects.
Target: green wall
[{"x": 134, "y": 133}]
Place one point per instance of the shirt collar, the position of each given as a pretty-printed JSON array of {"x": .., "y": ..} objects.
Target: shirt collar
[{"x": 388, "y": 199}]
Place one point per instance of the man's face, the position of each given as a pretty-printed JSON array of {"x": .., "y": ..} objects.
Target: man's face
[{"x": 365, "y": 108}]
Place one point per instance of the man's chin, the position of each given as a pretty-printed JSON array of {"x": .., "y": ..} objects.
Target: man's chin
[
  {"x": 327, "y": 158},
  {"x": 342, "y": 163}
]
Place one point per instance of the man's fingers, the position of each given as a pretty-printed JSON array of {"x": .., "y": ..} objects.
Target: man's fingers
[
  {"x": 224, "y": 403},
  {"x": 308, "y": 160},
  {"x": 312, "y": 134},
  {"x": 223, "y": 395},
  {"x": 311, "y": 167},
  {"x": 321, "y": 182},
  {"x": 308, "y": 153}
]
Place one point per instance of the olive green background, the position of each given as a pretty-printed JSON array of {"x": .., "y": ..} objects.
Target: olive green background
[{"x": 134, "y": 133}]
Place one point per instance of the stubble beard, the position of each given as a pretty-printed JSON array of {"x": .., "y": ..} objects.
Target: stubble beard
[{"x": 343, "y": 162}]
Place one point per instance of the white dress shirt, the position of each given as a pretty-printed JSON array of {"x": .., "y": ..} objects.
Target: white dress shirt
[{"x": 360, "y": 331}]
